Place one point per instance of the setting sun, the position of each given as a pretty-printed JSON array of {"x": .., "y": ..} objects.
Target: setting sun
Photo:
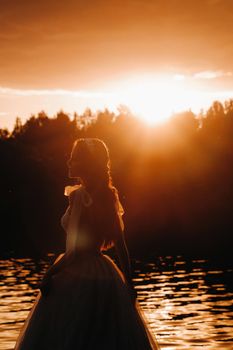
[{"x": 155, "y": 98}]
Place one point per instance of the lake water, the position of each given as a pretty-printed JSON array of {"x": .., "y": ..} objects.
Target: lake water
[{"x": 188, "y": 303}]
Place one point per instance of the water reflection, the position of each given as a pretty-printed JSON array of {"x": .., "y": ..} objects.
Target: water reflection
[{"x": 187, "y": 303}]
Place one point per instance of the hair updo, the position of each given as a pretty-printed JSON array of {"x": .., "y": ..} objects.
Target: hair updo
[{"x": 93, "y": 157}]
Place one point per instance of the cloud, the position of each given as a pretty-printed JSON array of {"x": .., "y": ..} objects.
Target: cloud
[
  {"x": 179, "y": 77},
  {"x": 72, "y": 42},
  {"x": 53, "y": 92},
  {"x": 212, "y": 74}
]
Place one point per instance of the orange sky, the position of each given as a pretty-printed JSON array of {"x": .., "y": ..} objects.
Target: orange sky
[{"x": 84, "y": 45}]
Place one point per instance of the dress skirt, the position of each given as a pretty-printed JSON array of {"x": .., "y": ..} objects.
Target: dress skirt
[{"x": 88, "y": 307}]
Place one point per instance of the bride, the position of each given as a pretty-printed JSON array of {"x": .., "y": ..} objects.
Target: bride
[{"x": 85, "y": 300}]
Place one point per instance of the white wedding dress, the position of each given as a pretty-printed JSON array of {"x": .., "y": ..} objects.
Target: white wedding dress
[{"x": 88, "y": 305}]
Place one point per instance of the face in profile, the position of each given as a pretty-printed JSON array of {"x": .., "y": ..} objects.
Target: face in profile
[{"x": 88, "y": 160}]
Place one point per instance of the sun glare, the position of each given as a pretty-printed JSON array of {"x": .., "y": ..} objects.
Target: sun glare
[{"x": 154, "y": 99}]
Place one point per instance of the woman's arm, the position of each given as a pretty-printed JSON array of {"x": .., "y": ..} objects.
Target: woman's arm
[
  {"x": 123, "y": 255},
  {"x": 65, "y": 258},
  {"x": 62, "y": 261},
  {"x": 124, "y": 259}
]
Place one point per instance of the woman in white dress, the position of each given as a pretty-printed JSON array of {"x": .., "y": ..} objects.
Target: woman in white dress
[{"x": 85, "y": 301}]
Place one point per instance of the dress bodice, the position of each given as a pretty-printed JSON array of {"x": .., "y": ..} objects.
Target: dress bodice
[
  {"x": 85, "y": 221},
  {"x": 78, "y": 237}
]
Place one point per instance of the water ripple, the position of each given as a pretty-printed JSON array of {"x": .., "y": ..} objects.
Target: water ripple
[{"x": 188, "y": 304}]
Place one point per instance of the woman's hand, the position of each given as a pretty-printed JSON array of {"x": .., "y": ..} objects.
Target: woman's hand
[
  {"x": 132, "y": 290},
  {"x": 45, "y": 285}
]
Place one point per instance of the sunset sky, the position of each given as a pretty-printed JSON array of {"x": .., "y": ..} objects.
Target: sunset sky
[{"x": 73, "y": 54}]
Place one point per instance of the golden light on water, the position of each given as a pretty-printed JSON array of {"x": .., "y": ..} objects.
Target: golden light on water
[{"x": 183, "y": 301}]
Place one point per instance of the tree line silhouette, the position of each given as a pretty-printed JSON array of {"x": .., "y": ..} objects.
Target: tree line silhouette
[{"x": 174, "y": 180}]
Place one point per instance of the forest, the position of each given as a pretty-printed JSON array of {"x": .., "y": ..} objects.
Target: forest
[{"x": 174, "y": 180}]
